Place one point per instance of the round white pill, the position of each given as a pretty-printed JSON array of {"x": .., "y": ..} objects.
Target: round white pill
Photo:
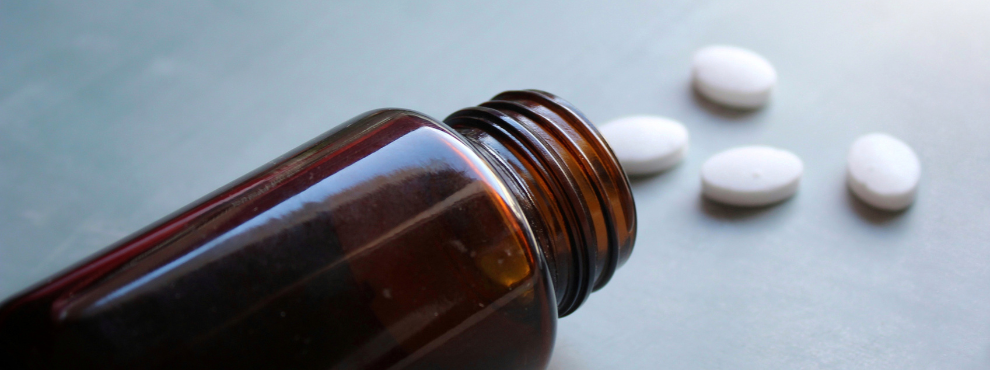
[
  {"x": 646, "y": 144},
  {"x": 751, "y": 176},
  {"x": 734, "y": 77},
  {"x": 883, "y": 171}
]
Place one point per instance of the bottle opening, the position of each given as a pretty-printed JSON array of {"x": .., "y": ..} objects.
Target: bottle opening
[{"x": 572, "y": 189}]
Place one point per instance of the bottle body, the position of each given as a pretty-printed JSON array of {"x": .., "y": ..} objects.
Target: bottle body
[{"x": 390, "y": 242}]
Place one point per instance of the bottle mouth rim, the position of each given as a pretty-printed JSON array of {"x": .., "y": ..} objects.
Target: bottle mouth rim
[{"x": 584, "y": 177}]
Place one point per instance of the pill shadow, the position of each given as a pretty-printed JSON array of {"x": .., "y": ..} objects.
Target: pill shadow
[
  {"x": 724, "y": 212},
  {"x": 877, "y": 217},
  {"x": 661, "y": 177},
  {"x": 732, "y": 114}
]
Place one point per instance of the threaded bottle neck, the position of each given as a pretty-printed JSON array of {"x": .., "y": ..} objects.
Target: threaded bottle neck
[{"x": 568, "y": 182}]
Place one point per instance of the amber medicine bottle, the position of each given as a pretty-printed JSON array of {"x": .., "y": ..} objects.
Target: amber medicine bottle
[{"x": 392, "y": 242}]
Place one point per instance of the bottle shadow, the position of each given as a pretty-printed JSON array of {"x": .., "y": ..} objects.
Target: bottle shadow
[{"x": 566, "y": 359}]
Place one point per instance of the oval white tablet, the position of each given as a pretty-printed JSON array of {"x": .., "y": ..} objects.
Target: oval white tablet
[
  {"x": 883, "y": 171},
  {"x": 646, "y": 144},
  {"x": 732, "y": 76},
  {"x": 751, "y": 176}
]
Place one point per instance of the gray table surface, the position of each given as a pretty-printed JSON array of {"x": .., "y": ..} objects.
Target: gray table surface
[{"x": 115, "y": 113}]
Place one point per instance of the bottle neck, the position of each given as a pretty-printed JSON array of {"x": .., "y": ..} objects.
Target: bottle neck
[{"x": 567, "y": 180}]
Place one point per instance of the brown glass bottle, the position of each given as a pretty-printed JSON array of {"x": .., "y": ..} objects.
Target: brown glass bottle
[{"x": 394, "y": 241}]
